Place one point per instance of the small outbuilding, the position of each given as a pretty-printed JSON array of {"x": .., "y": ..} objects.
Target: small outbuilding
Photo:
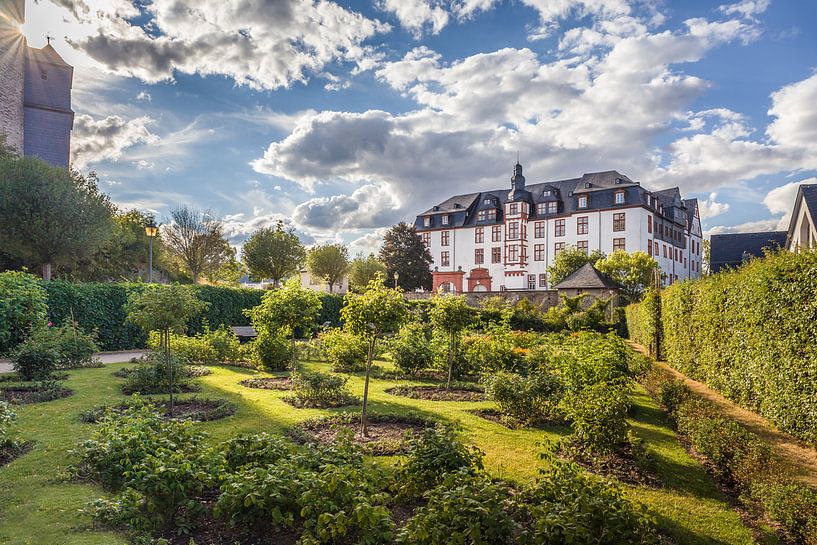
[{"x": 588, "y": 280}]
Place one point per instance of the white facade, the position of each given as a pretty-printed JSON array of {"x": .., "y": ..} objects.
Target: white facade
[
  {"x": 802, "y": 231},
  {"x": 318, "y": 284}
]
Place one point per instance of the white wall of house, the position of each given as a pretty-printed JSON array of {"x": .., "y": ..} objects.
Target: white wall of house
[
  {"x": 318, "y": 284},
  {"x": 804, "y": 234}
]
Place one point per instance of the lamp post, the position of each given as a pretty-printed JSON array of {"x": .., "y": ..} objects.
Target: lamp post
[
  {"x": 396, "y": 276},
  {"x": 151, "y": 230}
]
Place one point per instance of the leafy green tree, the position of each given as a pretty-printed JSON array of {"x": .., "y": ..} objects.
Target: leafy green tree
[
  {"x": 196, "y": 240},
  {"x": 404, "y": 253},
  {"x": 450, "y": 315},
  {"x": 329, "y": 262},
  {"x": 373, "y": 313},
  {"x": 287, "y": 309},
  {"x": 705, "y": 260},
  {"x": 23, "y": 307},
  {"x": 633, "y": 271},
  {"x": 48, "y": 215},
  {"x": 165, "y": 309},
  {"x": 363, "y": 269},
  {"x": 273, "y": 253},
  {"x": 569, "y": 261},
  {"x": 230, "y": 271}
]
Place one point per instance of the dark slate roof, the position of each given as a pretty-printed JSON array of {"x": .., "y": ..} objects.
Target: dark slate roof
[
  {"x": 809, "y": 193},
  {"x": 587, "y": 277},
  {"x": 728, "y": 250}
]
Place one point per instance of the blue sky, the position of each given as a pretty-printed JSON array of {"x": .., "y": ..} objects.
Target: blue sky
[{"x": 343, "y": 118}]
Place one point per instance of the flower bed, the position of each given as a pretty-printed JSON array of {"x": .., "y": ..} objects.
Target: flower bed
[{"x": 461, "y": 392}]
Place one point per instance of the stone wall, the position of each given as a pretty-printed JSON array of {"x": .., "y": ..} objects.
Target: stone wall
[
  {"x": 12, "y": 60},
  {"x": 542, "y": 298}
]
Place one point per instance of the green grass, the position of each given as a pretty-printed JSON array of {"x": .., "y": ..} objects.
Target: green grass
[{"x": 37, "y": 508}]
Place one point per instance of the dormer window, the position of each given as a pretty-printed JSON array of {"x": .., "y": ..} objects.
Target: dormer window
[
  {"x": 487, "y": 201},
  {"x": 553, "y": 207},
  {"x": 426, "y": 222},
  {"x": 619, "y": 197},
  {"x": 492, "y": 214},
  {"x": 445, "y": 220},
  {"x": 541, "y": 208},
  {"x": 481, "y": 215},
  {"x": 513, "y": 208},
  {"x": 547, "y": 193},
  {"x": 583, "y": 201}
]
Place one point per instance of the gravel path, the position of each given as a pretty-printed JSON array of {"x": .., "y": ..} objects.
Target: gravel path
[{"x": 104, "y": 357}]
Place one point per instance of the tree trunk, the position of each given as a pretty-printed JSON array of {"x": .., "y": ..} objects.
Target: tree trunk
[
  {"x": 46, "y": 271},
  {"x": 364, "y": 420},
  {"x": 169, "y": 370},
  {"x": 331, "y": 285},
  {"x": 450, "y": 361},
  {"x": 195, "y": 277},
  {"x": 294, "y": 360}
]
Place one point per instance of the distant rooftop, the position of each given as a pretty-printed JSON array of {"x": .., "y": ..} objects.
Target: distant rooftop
[{"x": 732, "y": 249}]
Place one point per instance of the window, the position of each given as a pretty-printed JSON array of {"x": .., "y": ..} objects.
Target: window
[
  {"x": 44, "y": 74},
  {"x": 543, "y": 280},
  {"x": 426, "y": 222},
  {"x": 581, "y": 225},
  {"x": 479, "y": 256},
  {"x": 445, "y": 219},
  {"x": 531, "y": 281},
  {"x": 618, "y": 221},
  {"x": 539, "y": 229},
  {"x": 427, "y": 239},
  {"x": 487, "y": 201},
  {"x": 553, "y": 207},
  {"x": 583, "y": 201},
  {"x": 444, "y": 261},
  {"x": 541, "y": 208},
  {"x": 513, "y": 208},
  {"x": 479, "y": 235},
  {"x": 496, "y": 233},
  {"x": 513, "y": 254},
  {"x": 558, "y": 247},
  {"x": 481, "y": 215},
  {"x": 559, "y": 231},
  {"x": 491, "y": 214},
  {"x": 649, "y": 224},
  {"x": 496, "y": 255},
  {"x": 444, "y": 238},
  {"x": 665, "y": 251},
  {"x": 583, "y": 246},
  {"x": 649, "y": 247},
  {"x": 655, "y": 247},
  {"x": 619, "y": 197},
  {"x": 539, "y": 252},
  {"x": 513, "y": 230},
  {"x": 618, "y": 244}
]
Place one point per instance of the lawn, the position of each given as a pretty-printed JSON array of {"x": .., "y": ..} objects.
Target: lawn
[{"x": 38, "y": 508}]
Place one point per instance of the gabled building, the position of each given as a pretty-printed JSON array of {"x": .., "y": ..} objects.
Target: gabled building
[
  {"x": 802, "y": 232},
  {"x": 505, "y": 239}
]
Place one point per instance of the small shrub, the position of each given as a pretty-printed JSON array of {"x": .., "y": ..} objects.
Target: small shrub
[
  {"x": 345, "y": 351},
  {"x": 309, "y": 350},
  {"x": 22, "y": 308},
  {"x": 76, "y": 347},
  {"x": 152, "y": 376},
  {"x": 466, "y": 509},
  {"x": 598, "y": 417},
  {"x": 411, "y": 348},
  {"x": 271, "y": 352},
  {"x": 431, "y": 455},
  {"x": 39, "y": 355},
  {"x": 7, "y": 418},
  {"x": 254, "y": 451},
  {"x": 189, "y": 349},
  {"x": 225, "y": 344},
  {"x": 315, "y": 389},
  {"x": 568, "y": 505},
  {"x": 526, "y": 399},
  {"x": 491, "y": 351},
  {"x": 792, "y": 505}
]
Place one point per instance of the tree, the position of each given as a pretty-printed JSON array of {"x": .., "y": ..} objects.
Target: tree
[
  {"x": 363, "y": 270},
  {"x": 165, "y": 309},
  {"x": 196, "y": 240},
  {"x": 287, "y": 309},
  {"x": 229, "y": 273},
  {"x": 273, "y": 253},
  {"x": 707, "y": 252},
  {"x": 329, "y": 262},
  {"x": 569, "y": 261},
  {"x": 633, "y": 271},
  {"x": 403, "y": 252},
  {"x": 451, "y": 314},
  {"x": 48, "y": 215},
  {"x": 371, "y": 314}
]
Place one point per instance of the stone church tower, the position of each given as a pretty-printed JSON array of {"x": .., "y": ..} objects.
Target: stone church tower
[{"x": 35, "y": 92}]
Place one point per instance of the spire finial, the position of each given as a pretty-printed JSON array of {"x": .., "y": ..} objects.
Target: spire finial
[
  {"x": 48, "y": 38},
  {"x": 517, "y": 157}
]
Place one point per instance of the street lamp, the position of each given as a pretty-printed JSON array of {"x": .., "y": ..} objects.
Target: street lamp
[
  {"x": 151, "y": 230},
  {"x": 396, "y": 276}
]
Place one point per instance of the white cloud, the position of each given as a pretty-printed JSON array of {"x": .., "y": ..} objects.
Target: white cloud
[
  {"x": 746, "y": 8},
  {"x": 417, "y": 16},
  {"x": 795, "y": 109},
  {"x": 711, "y": 207},
  {"x": 368, "y": 206},
  {"x": 264, "y": 45},
  {"x": 95, "y": 140},
  {"x": 144, "y": 96},
  {"x": 369, "y": 243},
  {"x": 748, "y": 227}
]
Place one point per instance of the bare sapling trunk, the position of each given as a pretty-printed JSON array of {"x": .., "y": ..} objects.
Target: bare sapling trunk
[
  {"x": 450, "y": 361},
  {"x": 294, "y": 359},
  {"x": 364, "y": 420},
  {"x": 46, "y": 271},
  {"x": 169, "y": 370}
]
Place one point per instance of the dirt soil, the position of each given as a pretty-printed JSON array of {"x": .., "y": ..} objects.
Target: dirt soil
[
  {"x": 437, "y": 393},
  {"x": 801, "y": 458},
  {"x": 23, "y": 395},
  {"x": 378, "y": 431},
  {"x": 197, "y": 410},
  {"x": 9, "y": 453},
  {"x": 268, "y": 383}
]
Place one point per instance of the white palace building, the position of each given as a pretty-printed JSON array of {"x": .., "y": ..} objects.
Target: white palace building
[{"x": 505, "y": 240}]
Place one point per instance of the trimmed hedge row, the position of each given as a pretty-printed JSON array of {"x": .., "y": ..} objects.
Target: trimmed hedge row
[
  {"x": 748, "y": 333},
  {"x": 100, "y": 307}
]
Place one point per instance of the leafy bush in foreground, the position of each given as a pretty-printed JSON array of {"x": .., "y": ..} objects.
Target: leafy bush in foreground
[
  {"x": 526, "y": 399},
  {"x": 7, "y": 418},
  {"x": 597, "y": 416},
  {"x": 345, "y": 351},
  {"x": 411, "y": 348},
  {"x": 316, "y": 389},
  {"x": 22, "y": 308},
  {"x": 152, "y": 375}
]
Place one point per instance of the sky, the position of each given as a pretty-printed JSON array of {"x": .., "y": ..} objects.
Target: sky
[{"x": 341, "y": 119}]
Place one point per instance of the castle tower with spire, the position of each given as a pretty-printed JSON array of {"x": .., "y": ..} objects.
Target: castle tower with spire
[{"x": 35, "y": 92}]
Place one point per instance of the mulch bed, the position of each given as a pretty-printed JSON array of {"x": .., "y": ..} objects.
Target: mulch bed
[
  {"x": 625, "y": 464},
  {"x": 178, "y": 388},
  {"x": 439, "y": 393},
  {"x": 386, "y": 432},
  {"x": 427, "y": 374},
  {"x": 497, "y": 417},
  {"x": 10, "y": 452},
  {"x": 334, "y": 403},
  {"x": 268, "y": 383},
  {"x": 194, "y": 408},
  {"x": 14, "y": 377},
  {"x": 22, "y": 395}
]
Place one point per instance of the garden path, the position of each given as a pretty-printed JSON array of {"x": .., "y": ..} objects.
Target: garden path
[
  {"x": 800, "y": 457},
  {"x": 104, "y": 357}
]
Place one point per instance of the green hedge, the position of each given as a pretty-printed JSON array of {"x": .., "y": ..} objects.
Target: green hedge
[
  {"x": 749, "y": 333},
  {"x": 644, "y": 322},
  {"x": 100, "y": 307}
]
